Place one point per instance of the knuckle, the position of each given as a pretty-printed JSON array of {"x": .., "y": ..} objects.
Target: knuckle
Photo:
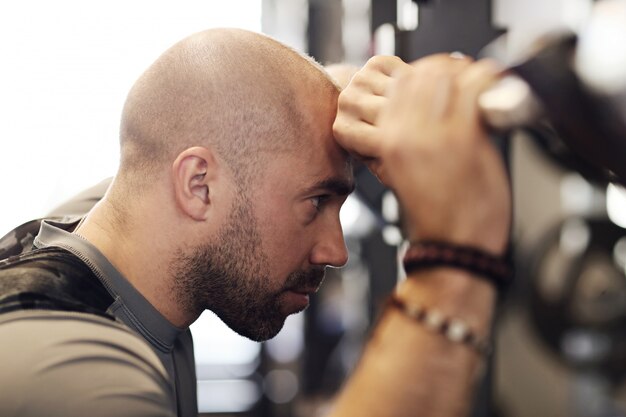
[
  {"x": 406, "y": 76},
  {"x": 395, "y": 60},
  {"x": 374, "y": 61},
  {"x": 489, "y": 65},
  {"x": 345, "y": 100},
  {"x": 359, "y": 80},
  {"x": 411, "y": 82},
  {"x": 431, "y": 59},
  {"x": 383, "y": 61},
  {"x": 339, "y": 127},
  {"x": 483, "y": 69}
]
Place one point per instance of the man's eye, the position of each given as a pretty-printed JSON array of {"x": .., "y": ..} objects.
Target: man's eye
[{"x": 318, "y": 201}]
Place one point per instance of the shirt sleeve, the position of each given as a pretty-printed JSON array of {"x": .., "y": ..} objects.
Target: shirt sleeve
[{"x": 74, "y": 364}]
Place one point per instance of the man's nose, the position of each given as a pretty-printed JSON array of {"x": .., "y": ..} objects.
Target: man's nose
[{"x": 331, "y": 247}]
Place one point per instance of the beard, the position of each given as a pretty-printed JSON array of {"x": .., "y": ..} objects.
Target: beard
[{"x": 231, "y": 277}]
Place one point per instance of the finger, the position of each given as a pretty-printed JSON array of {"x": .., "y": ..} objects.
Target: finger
[
  {"x": 432, "y": 84},
  {"x": 357, "y": 137},
  {"x": 385, "y": 64},
  {"x": 372, "y": 81},
  {"x": 421, "y": 96},
  {"x": 471, "y": 83},
  {"x": 447, "y": 63},
  {"x": 360, "y": 106},
  {"x": 376, "y": 74}
]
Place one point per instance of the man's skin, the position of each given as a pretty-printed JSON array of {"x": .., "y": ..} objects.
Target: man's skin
[
  {"x": 210, "y": 210},
  {"x": 418, "y": 128},
  {"x": 245, "y": 236}
]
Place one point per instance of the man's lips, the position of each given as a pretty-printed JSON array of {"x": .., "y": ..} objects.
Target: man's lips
[
  {"x": 304, "y": 291},
  {"x": 297, "y": 299},
  {"x": 303, "y": 285}
]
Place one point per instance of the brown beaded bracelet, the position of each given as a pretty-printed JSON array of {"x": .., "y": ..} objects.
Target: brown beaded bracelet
[
  {"x": 426, "y": 254},
  {"x": 454, "y": 330}
]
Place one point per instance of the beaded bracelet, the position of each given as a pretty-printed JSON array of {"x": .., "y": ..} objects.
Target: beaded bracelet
[
  {"x": 454, "y": 330},
  {"x": 425, "y": 254}
]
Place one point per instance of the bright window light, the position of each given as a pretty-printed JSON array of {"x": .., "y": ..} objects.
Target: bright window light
[{"x": 67, "y": 66}]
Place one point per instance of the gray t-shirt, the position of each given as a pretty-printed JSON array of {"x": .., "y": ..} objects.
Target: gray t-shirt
[
  {"x": 172, "y": 345},
  {"x": 66, "y": 364}
]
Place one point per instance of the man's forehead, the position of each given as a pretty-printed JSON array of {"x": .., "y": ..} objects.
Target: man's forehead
[{"x": 337, "y": 178}]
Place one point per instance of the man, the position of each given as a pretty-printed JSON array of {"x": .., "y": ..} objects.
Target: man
[{"x": 228, "y": 198}]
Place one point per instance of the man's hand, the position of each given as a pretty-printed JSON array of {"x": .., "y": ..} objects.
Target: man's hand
[
  {"x": 418, "y": 128},
  {"x": 361, "y": 103}
]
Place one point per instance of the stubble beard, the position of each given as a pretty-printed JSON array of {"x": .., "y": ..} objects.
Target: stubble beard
[{"x": 231, "y": 277}]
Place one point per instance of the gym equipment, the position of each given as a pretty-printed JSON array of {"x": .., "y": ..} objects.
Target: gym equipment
[{"x": 563, "y": 96}]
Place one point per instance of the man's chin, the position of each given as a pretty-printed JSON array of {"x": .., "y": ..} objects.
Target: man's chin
[
  {"x": 262, "y": 324},
  {"x": 262, "y": 335},
  {"x": 264, "y": 329}
]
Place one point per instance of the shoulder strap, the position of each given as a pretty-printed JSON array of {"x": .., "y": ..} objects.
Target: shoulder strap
[
  {"x": 51, "y": 279},
  {"x": 20, "y": 240}
]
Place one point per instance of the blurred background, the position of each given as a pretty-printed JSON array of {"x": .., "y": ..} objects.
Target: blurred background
[{"x": 560, "y": 333}]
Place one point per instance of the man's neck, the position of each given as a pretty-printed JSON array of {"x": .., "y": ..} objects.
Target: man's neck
[{"x": 141, "y": 259}]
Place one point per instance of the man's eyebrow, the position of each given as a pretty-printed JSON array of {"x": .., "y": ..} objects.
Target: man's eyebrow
[{"x": 334, "y": 185}]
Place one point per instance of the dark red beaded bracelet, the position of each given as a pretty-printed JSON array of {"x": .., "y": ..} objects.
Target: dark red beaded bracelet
[{"x": 427, "y": 254}]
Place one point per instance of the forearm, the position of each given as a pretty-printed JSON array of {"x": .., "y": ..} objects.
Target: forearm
[
  {"x": 410, "y": 370},
  {"x": 419, "y": 130}
]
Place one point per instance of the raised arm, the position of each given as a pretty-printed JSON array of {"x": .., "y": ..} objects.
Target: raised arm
[{"x": 418, "y": 128}]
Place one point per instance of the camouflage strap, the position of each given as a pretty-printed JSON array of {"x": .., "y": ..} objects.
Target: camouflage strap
[
  {"x": 51, "y": 279},
  {"x": 20, "y": 240}
]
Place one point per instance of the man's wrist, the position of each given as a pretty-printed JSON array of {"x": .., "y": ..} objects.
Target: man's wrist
[
  {"x": 488, "y": 235},
  {"x": 491, "y": 242},
  {"x": 455, "y": 292}
]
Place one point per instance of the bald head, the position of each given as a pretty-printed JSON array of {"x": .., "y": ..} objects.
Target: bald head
[{"x": 239, "y": 93}]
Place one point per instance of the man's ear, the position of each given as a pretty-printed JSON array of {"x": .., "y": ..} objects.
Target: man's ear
[{"x": 192, "y": 173}]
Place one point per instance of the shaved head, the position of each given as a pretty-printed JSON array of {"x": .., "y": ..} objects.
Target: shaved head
[
  {"x": 230, "y": 182},
  {"x": 237, "y": 92}
]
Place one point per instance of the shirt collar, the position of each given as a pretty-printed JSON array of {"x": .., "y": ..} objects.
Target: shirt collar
[{"x": 135, "y": 311}]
